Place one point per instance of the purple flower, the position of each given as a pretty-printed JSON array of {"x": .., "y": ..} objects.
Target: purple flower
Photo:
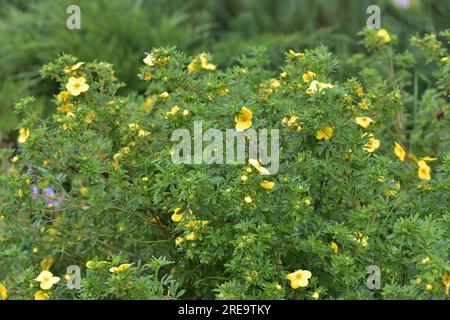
[
  {"x": 51, "y": 199},
  {"x": 403, "y": 3},
  {"x": 34, "y": 191}
]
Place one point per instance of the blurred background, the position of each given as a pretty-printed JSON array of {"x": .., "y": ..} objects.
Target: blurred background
[{"x": 33, "y": 33}]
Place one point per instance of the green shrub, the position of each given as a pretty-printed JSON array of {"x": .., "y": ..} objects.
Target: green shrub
[{"x": 96, "y": 180}]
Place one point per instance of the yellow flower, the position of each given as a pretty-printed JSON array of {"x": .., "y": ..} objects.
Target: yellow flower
[
  {"x": 307, "y": 77},
  {"x": 289, "y": 121},
  {"x": 283, "y": 75},
  {"x": 315, "y": 295},
  {"x": 200, "y": 62},
  {"x": 257, "y": 166},
  {"x": 3, "y": 292},
  {"x": 62, "y": 96},
  {"x": 364, "y": 105},
  {"x": 361, "y": 239},
  {"x": 317, "y": 86},
  {"x": 75, "y": 67},
  {"x": 243, "y": 120},
  {"x": 205, "y": 63},
  {"x": 176, "y": 216},
  {"x": 24, "y": 134},
  {"x": 446, "y": 280},
  {"x": 15, "y": 159},
  {"x": 147, "y": 76},
  {"x": 148, "y": 60},
  {"x": 191, "y": 236},
  {"x": 95, "y": 264},
  {"x": 324, "y": 133},
  {"x": 424, "y": 170},
  {"x": 334, "y": 247},
  {"x": 178, "y": 241},
  {"x": 47, "y": 280},
  {"x": 84, "y": 191},
  {"x": 172, "y": 111},
  {"x": 425, "y": 260},
  {"x": 248, "y": 199},
  {"x": 299, "y": 278},
  {"x": 372, "y": 145},
  {"x": 399, "y": 151},
  {"x": 296, "y": 54},
  {"x": 428, "y": 159},
  {"x": 364, "y": 121},
  {"x": 46, "y": 264},
  {"x": 360, "y": 91},
  {"x": 66, "y": 107},
  {"x": 244, "y": 178},
  {"x": 41, "y": 295},
  {"x": 164, "y": 95},
  {"x": 429, "y": 287},
  {"x": 268, "y": 185},
  {"x": 90, "y": 117},
  {"x": 384, "y": 35},
  {"x": 76, "y": 86},
  {"x": 121, "y": 268}
]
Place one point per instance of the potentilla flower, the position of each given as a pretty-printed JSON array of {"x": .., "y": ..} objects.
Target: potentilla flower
[
  {"x": 148, "y": 60},
  {"x": 308, "y": 76},
  {"x": 76, "y": 86},
  {"x": 298, "y": 55},
  {"x": 363, "y": 105},
  {"x": 268, "y": 185},
  {"x": 446, "y": 281},
  {"x": 325, "y": 133},
  {"x": 372, "y": 145},
  {"x": 334, "y": 247},
  {"x": 121, "y": 268},
  {"x": 75, "y": 67},
  {"x": 428, "y": 158},
  {"x": 399, "y": 151},
  {"x": 248, "y": 199},
  {"x": 364, "y": 121},
  {"x": 289, "y": 121},
  {"x": 384, "y": 35},
  {"x": 66, "y": 107},
  {"x": 62, "y": 96},
  {"x": 24, "y": 134},
  {"x": 178, "y": 241},
  {"x": 191, "y": 236},
  {"x": 178, "y": 214},
  {"x": 360, "y": 91},
  {"x": 315, "y": 296},
  {"x": 47, "y": 263},
  {"x": 47, "y": 280},
  {"x": 172, "y": 111},
  {"x": 243, "y": 119},
  {"x": 3, "y": 292},
  {"x": 255, "y": 163},
  {"x": 424, "y": 170},
  {"x": 200, "y": 62},
  {"x": 41, "y": 295},
  {"x": 425, "y": 260},
  {"x": 299, "y": 278},
  {"x": 361, "y": 239},
  {"x": 317, "y": 86}
]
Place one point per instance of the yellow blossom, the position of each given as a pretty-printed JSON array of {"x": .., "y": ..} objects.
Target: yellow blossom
[
  {"x": 66, "y": 107},
  {"x": 75, "y": 67},
  {"x": 121, "y": 268},
  {"x": 268, "y": 185},
  {"x": 178, "y": 241},
  {"x": 3, "y": 292},
  {"x": 47, "y": 280},
  {"x": 360, "y": 91},
  {"x": 172, "y": 111},
  {"x": 41, "y": 295},
  {"x": 424, "y": 170},
  {"x": 429, "y": 287},
  {"x": 299, "y": 278},
  {"x": 372, "y": 145},
  {"x": 243, "y": 120},
  {"x": 15, "y": 159},
  {"x": 147, "y": 76},
  {"x": 244, "y": 178},
  {"x": 399, "y": 151},
  {"x": 324, "y": 133},
  {"x": 248, "y": 199},
  {"x": 191, "y": 236},
  {"x": 361, "y": 239},
  {"x": 200, "y": 62},
  {"x": 164, "y": 95},
  {"x": 446, "y": 281},
  {"x": 384, "y": 35},
  {"x": 24, "y": 134},
  {"x": 296, "y": 54},
  {"x": 364, "y": 105},
  {"x": 148, "y": 60},
  {"x": 334, "y": 247},
  {"x": 62, "y": 96},
  {"x": 90, "y": 117},
  {"x": 308, "y": 76},
  {"x": 364, "y": 121},
  {"x": 289, "y": 121},
  {"x": 425, "y": 260},
  {"x": 315, "y": 296},
  {"x": 76, "y": 86},
  {"x": 428, "y": 159},
  {"x": 317, "y": 86},
  {"x": 46, "y": 264},
  {"x": 84, "y": 191}
]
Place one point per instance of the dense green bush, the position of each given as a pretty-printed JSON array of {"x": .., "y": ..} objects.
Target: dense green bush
[{"x": 94, "y": 185}]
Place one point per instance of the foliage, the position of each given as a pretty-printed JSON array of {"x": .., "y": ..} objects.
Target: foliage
[{"x": 95, "y": 180}]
